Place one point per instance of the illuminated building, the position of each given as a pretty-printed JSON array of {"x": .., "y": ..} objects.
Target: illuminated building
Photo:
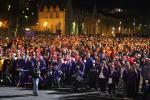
[
  {"x": 3, "y": 24},
  {"x": 74, "y": 20},
  {"x": 51, "y": 19}
]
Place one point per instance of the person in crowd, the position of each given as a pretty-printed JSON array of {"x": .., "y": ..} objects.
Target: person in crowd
[
  {"x": 131, "y": 82},
  {"x": 146, "y": 90},
  {"x": 79, "y": 74},
  {"x": 93, "y": 77},
  {"x": 138, "y": 72},
  {"x": 125, "y": 76},
  {"x": 113, "y": 75},
  {"x": 88, "y": 67},
  {"x": 57, "y": 75},
  {"x": 35, "y": 77},
  {"x": 79, "y": 55},
  {"x": 103, "y": 76}
]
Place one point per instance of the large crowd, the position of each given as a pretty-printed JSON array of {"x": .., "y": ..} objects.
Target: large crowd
[{"x": 97, "y": 63}]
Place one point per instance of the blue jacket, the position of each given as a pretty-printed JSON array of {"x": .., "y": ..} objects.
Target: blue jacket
[
  {"x": 88, "y": 64},
  {"x": 57, "y": 73}
]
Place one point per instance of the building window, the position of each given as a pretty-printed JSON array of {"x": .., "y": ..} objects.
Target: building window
[
  {"x": 51, "y": 15},
  {"x": 57, "y": 14}
]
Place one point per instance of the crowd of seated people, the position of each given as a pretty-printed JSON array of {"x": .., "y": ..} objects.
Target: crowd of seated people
[{"x": 95, "y": 63}]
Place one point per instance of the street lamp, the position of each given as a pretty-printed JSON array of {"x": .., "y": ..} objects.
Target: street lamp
[
  {"x": 120, "y": 22},
  {"x": 113, "y": 31},
  {"x": 27, "y": 9},
  {"x": 9, "y": 6},
  {"x": 23, "y": 12},
  {"x": 119, "y": 29},
  {"x": 26, "y": 17},
  {"x": 134, "y": 26}
]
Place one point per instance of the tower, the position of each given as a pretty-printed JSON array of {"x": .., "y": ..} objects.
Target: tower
[{"x": 68, "y": 16}]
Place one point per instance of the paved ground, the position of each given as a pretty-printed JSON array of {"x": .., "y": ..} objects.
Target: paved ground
[{"x": 11, "y": 93}]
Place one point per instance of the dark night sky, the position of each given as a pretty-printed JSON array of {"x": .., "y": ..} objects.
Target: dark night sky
[
  {"x": 126, "y": 4},
  {"x": 137, "y": 7},
  {"x": 133, "y": 8}
]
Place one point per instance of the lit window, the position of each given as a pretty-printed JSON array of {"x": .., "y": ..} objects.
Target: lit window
[
  {"x": 27, "y": 9},
  {"x": 51, "y": 15},
  {"x": 57, "y": 14},
  {"x": 1, "y": 24},
  {"x": 9, "y": 6}
]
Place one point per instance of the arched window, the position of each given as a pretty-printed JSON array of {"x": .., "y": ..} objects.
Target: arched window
[
  {"x": 57, "y": 14},
  {"x": 57, "y": 11}
]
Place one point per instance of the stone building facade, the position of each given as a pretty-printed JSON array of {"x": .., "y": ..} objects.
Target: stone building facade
[{"x": 74, "y": 20}]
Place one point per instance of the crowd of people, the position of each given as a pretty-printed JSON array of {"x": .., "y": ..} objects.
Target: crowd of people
[{"x": 91, "y": 62}]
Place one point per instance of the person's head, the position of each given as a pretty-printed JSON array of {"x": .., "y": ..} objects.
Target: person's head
[
  {"x": 127, "y": 64},
  {"x": 103, "y": 63},
  {"x": 29, "y": 58},
  {"x": 88, "y": 55},
  {"x": 146, "y": 82}
]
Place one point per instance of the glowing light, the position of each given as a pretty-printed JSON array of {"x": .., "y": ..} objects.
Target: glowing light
[
  {"x": 74, "y": 27},
  {"x": 113, "y": 28},
  {"x": 27, "y": 9},
  {"x": 98, "y": 20},
  {"x": 120, "y": 22},
  {"x": 32, "y": 13},
  {"x": 9, "y": 6},
  {"x": 118, "y": 10},
  {"x": 1, "y": 23},
  {"x": 23, "y": 12},
  {"x": 113, "y": 31},
  {"x": 27, "y": 29},
  {"x": 119, "y": 28},
  {"x": 45, "y": 24},
  {"x": 26, "y": 17}
]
